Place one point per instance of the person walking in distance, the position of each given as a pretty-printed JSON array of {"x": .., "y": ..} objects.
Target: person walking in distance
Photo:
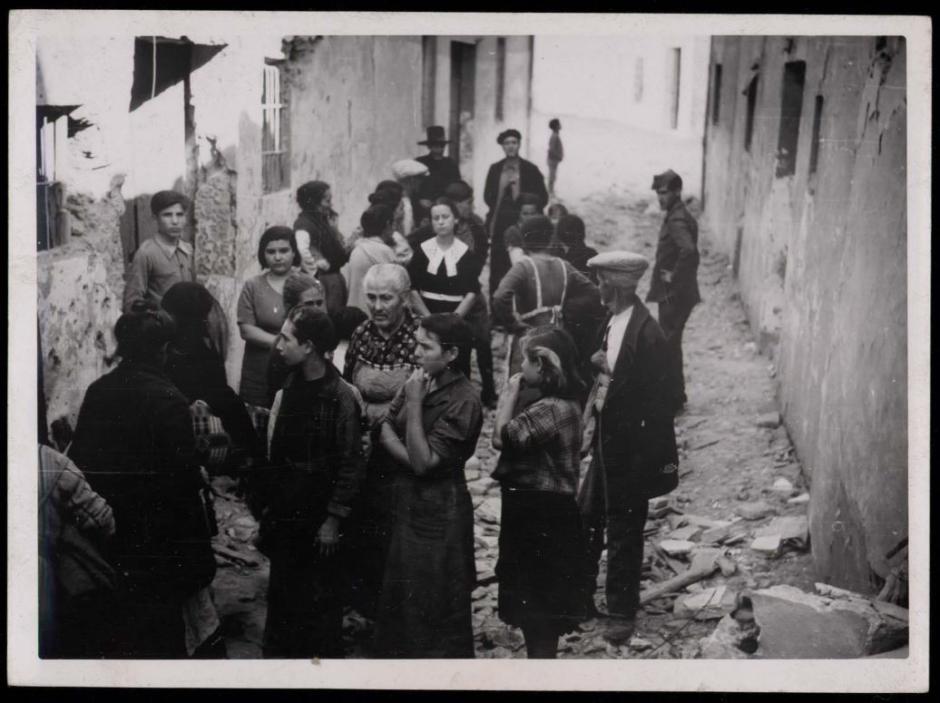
[
  {"x": 675, "y": 285},
  {"x": 556, "y": 152},
  {"x": 629, "y": 422}
]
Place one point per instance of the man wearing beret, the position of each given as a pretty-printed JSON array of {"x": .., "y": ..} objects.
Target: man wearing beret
[
  {"x": 505, "y": 181},
  {"x": 674, "y": 285},
  {"x": 629, "y": 424},
  {"x": 442, "y": 170},
  {"x": 165, "y": 258}
]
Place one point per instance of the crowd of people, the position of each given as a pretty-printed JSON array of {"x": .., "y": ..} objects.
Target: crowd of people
[{"x": 356, "y": 414}]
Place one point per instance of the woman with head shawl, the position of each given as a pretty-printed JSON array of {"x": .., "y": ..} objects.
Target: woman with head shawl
[
  {"x": 570, "y": 234},
  {"x": 195, "y": 364},
  {"x": 320, "y": 243},
  {"x": 430, "y": 431},
  {"x": 261, "y": 310},
  {"x": 541, "y": 549},
  {"x": 370, "y": 249},
  {"x": 134, "y": 442},
  {"x": 505, "y": 181}
]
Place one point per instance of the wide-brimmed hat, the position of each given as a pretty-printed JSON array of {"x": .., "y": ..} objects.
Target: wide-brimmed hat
[{"x": 436, "y": 135}]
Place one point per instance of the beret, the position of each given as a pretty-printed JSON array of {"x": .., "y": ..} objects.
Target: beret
[
  {"x": 407, "y": 168},
  {"x": 667, "y": 180},
  {"x": 163, "y": 199},
  {"x": 631, "y": 265},
  {"x": 508, "y": 133}
]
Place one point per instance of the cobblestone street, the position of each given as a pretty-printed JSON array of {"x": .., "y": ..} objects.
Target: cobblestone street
[{"x": 732, "y": 453}]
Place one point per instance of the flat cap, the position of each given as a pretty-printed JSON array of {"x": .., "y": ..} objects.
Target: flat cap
[
  {"x": 407, "y": 168},
  {"x": 667, "y": 180},
  {"x": 505, "y": 134},
  {"x": 630, "y": 267}
]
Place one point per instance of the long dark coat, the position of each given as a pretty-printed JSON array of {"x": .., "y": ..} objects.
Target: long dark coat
[
  {"x": 636, "y": 437},
  {"x": 676, "y": 252},
  {"x": 531, "y": 180}
]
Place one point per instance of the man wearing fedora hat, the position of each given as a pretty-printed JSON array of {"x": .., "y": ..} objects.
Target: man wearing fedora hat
[{"x": 442, "y": 170}]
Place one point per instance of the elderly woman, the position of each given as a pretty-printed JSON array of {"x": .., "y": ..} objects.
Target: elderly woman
[
  {"x": 431, "y": 430},
  {"x": 380, "y": 358},
  {"x": 320, "y": 242},
  {"x": 261, "y": 310},
  {"x": 505, "y": 181},
  {"x": 542, "y": 289}
]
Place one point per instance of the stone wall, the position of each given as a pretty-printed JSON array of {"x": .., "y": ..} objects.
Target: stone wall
[
  {"x": 79, "y": 286},
  {"x": 821, "y": 260}
]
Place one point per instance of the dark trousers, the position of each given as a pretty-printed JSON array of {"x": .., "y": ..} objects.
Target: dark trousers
[
  {"x": 305, "y": 610},
  {"x": 148, "y": 626},
  {"x": 624, "y": 524},
  {"x": 672, "y": 318},
  {"x": 485, "y": 364}
]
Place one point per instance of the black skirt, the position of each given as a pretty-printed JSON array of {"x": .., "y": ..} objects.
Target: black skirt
[{"x": 541, "y": 560}]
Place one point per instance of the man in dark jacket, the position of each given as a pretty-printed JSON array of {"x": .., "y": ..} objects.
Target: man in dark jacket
[
  {"x": 634, "y": 453},
  {"x": 505, "y": 182},
  {"x": 442, "y": 170},
  {"x": 307, "y": 491},
  {"x": 134, "y": 442},
  {"x": 674, "y": 285}
]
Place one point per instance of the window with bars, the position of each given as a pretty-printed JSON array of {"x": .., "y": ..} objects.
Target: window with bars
[{"x": 275, "y": 152}]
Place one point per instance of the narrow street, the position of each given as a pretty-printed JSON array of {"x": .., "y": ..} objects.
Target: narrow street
[{"x": 732, "y": 452}]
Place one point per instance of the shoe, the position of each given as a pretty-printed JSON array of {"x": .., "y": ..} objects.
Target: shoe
[{"x": 619, "y": 630}]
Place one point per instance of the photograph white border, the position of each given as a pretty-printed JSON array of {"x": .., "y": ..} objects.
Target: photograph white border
[{"x": 24, "y": 667}]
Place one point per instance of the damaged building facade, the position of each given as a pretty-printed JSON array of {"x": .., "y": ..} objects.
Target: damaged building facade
[
  {"x": 237, "y": 124},
  {"x": 806, "y": 191}
]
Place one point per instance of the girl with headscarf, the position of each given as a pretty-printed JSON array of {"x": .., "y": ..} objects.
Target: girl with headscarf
[
  {"x": 541, "y": 546},
  {"x": 320, "y": 242}
]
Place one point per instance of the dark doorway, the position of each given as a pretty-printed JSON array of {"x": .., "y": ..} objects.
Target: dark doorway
[
  {"x": 463, "y": 59},
  {"x": 791, "y": 110}
]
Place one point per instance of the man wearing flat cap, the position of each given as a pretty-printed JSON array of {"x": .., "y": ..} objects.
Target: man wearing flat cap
[
  {"x": 629, "y": 425},
  {"x": 675, "y": 285},
  {"x": 505, "y": 181},
  {"x": 442, "y": 170},
  {"x": 165, "y": 258}
]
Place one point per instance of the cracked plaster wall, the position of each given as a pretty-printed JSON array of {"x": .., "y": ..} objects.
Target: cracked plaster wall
[{"x": 823, "y": 275}]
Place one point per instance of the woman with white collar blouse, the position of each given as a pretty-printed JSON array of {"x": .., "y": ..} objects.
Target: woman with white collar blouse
[{"x": 445, "y": 274}]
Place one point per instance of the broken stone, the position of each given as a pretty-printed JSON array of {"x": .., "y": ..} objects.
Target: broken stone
[
  {"x": 708, "y": 604},
  {"x": 755, "y": 511},
  {"x": 715, "y": 535},
  {"x": 790, "y": 527},
  {"x": 704, "y": 558},
  {"x": 801, "y": 499},
  {"x": 800, "y": 625},
  {"x": 769, "y": 420},
  {"x": 676, "y": 521},
  {"x": 688, "y": 533},
  {"x": 488, "y": 511},
  {"x": 783, "y": 487},
  {"x": 485, "y": 576},
  {"x": 472, "y": 464},
  {"x": 659, "y": 507},
  {"x": 769, "y": 545},
  {"x": 727, "y": 641},
  {"x": 639, "y": 644},
  {"x": 676, "y": 547}
]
